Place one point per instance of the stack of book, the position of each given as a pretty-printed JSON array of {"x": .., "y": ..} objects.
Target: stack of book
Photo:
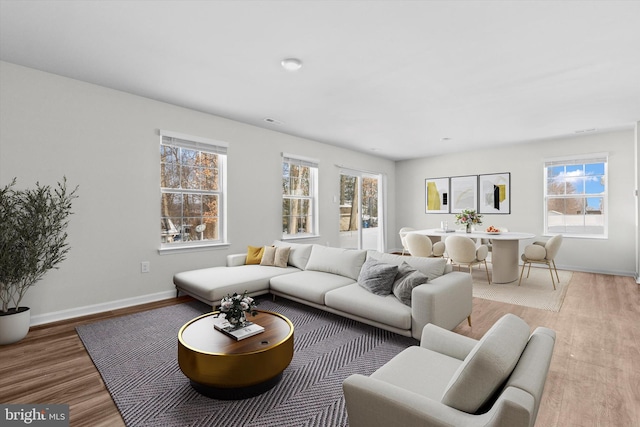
[{"x": 248, "y": 330}]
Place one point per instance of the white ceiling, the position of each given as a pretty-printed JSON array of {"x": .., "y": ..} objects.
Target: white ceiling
[{"x": 390, "y": 78}]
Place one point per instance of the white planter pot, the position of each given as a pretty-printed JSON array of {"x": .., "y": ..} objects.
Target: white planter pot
[{"x": 15, "y": 326}]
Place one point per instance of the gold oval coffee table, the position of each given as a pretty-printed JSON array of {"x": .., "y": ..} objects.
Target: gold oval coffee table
[{"x": 223, "y": 368}]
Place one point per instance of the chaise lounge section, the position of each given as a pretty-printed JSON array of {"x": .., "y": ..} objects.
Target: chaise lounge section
[{"x": 331, "y": 279}]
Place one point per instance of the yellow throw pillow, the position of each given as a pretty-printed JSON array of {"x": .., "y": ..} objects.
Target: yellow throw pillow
[{"x": 254, "y": 254}]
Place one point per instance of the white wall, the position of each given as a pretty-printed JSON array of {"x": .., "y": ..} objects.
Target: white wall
[
  {"x": 636, "y": 157},
  {"x": 107, "y": 142},
  {"x": 615, "y": 255}
]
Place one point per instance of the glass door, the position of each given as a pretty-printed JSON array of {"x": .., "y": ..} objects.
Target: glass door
[{"x": 361, "y": 224}]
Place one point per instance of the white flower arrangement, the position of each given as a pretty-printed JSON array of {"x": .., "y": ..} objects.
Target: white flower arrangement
[{"x": 235, "y": 307}]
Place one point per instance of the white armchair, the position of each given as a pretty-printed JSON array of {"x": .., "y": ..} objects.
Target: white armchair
[
  {"x": 452, "y": 380},
  {"x": 420, "y": 245}
]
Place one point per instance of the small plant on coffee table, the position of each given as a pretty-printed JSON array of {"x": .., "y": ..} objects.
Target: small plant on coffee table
[{"x": 235, "y": 308}]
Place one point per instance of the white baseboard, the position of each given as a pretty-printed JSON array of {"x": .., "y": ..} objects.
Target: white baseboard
[
  {"x": 99, "y": 308},
  {"x": 591, "y": 270}
]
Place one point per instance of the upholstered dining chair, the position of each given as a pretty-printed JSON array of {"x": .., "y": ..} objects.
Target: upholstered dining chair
[
  {"x": 421, "y": 245},
  {"x": 542, "y": 253},
  {"x": 462, "y": 251},
  {"x": 403, "y": 233}
]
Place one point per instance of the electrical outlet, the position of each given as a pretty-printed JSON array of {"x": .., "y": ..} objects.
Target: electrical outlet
[{"x": 145, "y": 267}]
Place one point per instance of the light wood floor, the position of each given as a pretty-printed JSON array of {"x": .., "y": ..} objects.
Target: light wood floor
[{"x": 594, "y": 379}]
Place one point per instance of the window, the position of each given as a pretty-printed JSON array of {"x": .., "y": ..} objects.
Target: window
[
  {"x": 576, "y": 196},
  {"x": 192, "y": 183},
  {"x": 299, "y": 197}
]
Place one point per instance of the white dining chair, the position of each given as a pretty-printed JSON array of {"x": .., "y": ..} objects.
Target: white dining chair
[
  {"x": 462, "y": 251},
  {"x": 421, "y": 245},
  {"x": 542, "y": 253},
  {"x": 403, "y": 233}
]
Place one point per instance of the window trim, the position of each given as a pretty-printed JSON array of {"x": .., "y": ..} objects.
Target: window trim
[
  {"x": 579, "y": 159},
  {"x": 212, "y": 146},
  {"x": 314, "y": 165}
]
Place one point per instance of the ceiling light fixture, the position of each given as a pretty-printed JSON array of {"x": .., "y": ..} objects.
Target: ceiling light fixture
[
  {"x": 585, "y": 130},
  {"x": 272, "y": 121},
  {"x": 291, "y": 64}
]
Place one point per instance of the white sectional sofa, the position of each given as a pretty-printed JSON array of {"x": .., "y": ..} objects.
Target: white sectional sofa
[{"x": 327, "y": 278}]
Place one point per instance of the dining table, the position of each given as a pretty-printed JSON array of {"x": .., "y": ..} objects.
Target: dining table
[{"x": 504, "y": 252}]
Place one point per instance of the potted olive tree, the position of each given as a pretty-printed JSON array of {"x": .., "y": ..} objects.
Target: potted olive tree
[{"x": 33, "y": 240}]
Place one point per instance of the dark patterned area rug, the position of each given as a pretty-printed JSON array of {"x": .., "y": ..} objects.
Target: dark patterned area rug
[{"x": 137, "y": 358}]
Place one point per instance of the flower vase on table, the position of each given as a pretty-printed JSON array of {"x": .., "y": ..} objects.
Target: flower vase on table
[
  {"x": 238, "y": 322},
  {"x": 468, "y": 217},
  {"x": 235, "y": 308}
]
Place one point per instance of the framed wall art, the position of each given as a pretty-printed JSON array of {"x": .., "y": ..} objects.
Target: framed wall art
[
  {"x": 464, "y": 193},
  {"x": 436, "y": 195},
  {"x": 495, "y": 193}
]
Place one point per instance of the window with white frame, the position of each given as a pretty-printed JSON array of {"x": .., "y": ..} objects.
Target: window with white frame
[
  {"x": 299, "y": 196},
  {"x": 192, "y": 186},
  {"x": 576, "y": 196}
]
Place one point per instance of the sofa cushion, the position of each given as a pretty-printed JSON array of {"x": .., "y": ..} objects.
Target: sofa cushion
[
  {"x": 254, "y": 254},
  {"x": 377, "y": 277},
  {"x": 268, "y": 255},
  {"x": 308, "y": 285},
  {"x": 403, "y": 270},
  {"x": 356, "y": 300},
  {"x": 282, "y": 256},
  {"x": 275, "y": 256},
  {"x": 419, "y": 370},
  {"x": 298, "y": 254},
  {"x": 211, "y": 284},
  {"x": 403, "y": 286},
  {"x": 430, "y": 267},
  {"x": 488, "y": 365},
  {"x": 345, "y": 262}
]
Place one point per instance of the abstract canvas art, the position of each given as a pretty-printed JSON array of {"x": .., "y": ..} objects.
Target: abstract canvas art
[
  {"x": 464, "y": 193},
  {"x": 436, "y": 195},
  {"x": 495, "y": 193}
]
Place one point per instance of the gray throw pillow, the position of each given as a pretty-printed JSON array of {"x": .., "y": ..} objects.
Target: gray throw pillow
[
  {"x": 377, "y": 277},
  {"x": 403, "y": 270},
  {"x": 403, "y": 286}
]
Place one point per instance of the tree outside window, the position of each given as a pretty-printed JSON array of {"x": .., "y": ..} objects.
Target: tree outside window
[
  {"x": 349, "y": 204},
  {"x": 298, "y": 197},
  {"x": 575, "y": 196},
  {"x": 191, "y": 187}
]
